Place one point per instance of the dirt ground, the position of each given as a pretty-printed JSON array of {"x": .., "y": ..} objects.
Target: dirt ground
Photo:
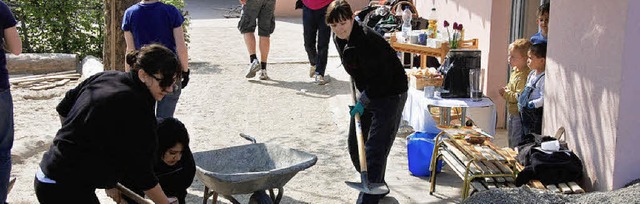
[{"x": 288, "y": 110}]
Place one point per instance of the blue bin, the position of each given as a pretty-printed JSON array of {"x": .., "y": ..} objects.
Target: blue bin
[{"x": 419, "y": 150}]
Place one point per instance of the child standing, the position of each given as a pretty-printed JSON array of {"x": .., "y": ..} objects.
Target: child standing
[
  {"x": 531, "y": 100},
  {"x": 543, "y": 23},
  {"x": 519, "y": 70}
]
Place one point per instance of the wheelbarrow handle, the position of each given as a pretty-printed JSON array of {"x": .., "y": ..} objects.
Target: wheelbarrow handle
[
  {"x": 135, "y": 197},
  {"x": 247, "y": 137}
]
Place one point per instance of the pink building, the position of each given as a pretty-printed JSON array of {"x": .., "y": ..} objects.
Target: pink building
[
  {"x": 591, "y": 60},
  {"x": 591, "y": 65}
]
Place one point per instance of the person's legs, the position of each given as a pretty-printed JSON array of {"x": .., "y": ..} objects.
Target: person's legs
[
  {"x": 6, "y": 141},
  {"x": 324, "y": 34},
  {"x": 167, "y": 106},
  {"x": 250, "y": 42},
  {"x": 247, "y": 26},
  {"x": 266, "y": 26},
  {"x": 310, "y": 29},
  {"x": 265, "y": 42},
  {"x": 386, "y": 113},
  {"x": 514, "y": 128}
]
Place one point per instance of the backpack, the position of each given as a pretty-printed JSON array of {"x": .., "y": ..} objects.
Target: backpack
[{"x": 547, "y": 167}]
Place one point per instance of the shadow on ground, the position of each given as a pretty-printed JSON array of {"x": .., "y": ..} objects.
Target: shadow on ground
[
  {"x": 310, "y": 89},
  {"x": 204, "y": 67}
]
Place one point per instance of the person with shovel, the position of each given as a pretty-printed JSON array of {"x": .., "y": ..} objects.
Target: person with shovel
[{"x": 381, "y": 83}]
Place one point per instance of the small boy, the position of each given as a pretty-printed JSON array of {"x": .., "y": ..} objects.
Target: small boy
[
  {"x": 519, "y": 71},
  {"x": 531, "y": 100},
  {"x": 543, "y": 23}
]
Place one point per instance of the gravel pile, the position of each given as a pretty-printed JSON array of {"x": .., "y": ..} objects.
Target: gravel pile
[
  {"x": 630, "y": 194},
  {"x": 522, "y": 195}
]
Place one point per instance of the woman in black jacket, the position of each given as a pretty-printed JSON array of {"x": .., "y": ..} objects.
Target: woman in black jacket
[
  {"x": 108, "y": 131},
  {"x": 382, "y": 86}
]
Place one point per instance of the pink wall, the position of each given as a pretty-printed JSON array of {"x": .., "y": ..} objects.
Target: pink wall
[
  {"x": 488, "y": 21},
  {"x": 627, "y": 161},
  {"x": 591, "y": 60}
]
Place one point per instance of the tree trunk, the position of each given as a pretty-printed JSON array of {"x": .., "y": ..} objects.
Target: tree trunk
[{"x": 114, "y": 44}]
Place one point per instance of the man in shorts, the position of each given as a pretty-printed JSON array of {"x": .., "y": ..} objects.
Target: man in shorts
[{"x": 262, "y": 11}]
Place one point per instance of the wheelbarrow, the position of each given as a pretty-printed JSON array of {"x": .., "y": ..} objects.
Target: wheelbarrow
[{"x": 252, "y": 168}]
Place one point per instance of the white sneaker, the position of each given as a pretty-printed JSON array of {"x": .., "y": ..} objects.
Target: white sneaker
[
  {"x": 320, "y": 80},
  {"x": 253, "y": 68},
  {"x": 312, "y": 71},
  {"x": 263, "y": 75}
]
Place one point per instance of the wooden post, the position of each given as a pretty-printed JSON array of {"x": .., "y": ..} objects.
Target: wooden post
[{"x": 114, "y": 46}]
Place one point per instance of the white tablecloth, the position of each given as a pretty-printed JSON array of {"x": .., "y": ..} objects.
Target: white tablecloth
[{"x": 416, "y": 111}]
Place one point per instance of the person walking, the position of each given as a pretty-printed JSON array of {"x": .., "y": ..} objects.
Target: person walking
[
  {"x": 313, "y": 22},
  {"x": 9, "y": 37},
  {"x": 108, "y": 132},
  {"x": 262, "y": 11},
  {"x": 152, "y": 21},
  {"x": 382, "y": 85}
]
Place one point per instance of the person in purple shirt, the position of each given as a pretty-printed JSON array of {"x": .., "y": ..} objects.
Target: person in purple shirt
[
  {"x": 543, "y": 23},
  {"x": 10, "y": 41},
  {"x": 313, "y": 22},
  {"x": 152, "y": 21}
]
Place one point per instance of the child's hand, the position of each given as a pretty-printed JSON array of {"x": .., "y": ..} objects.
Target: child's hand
[{"x": 502, "y": 91}]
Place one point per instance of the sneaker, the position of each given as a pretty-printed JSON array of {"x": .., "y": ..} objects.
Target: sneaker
[
  {"x": 312, "y": 71},
  {"x": 320, "y": 80},
  {"x": 252, "y": 69},
  {"x": 263, "y": 75}
]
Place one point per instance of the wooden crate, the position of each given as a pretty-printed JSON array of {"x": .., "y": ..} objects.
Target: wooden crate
[{"x": 420, "y": 82}]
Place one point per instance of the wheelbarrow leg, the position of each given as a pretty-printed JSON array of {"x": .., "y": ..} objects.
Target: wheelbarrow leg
[
  {"x": 207, "y": 195},
  {"x": 215, "y": 198},
  {"x": 276, "y": 199}
]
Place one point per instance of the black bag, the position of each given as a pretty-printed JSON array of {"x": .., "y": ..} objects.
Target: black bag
[{"x": 556, "y": 167}]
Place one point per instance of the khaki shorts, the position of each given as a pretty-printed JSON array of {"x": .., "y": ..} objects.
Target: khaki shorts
[{"x": 262, "y": 11}]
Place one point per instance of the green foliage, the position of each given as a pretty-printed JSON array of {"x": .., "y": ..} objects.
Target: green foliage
[{"x": 65, "y": 26}]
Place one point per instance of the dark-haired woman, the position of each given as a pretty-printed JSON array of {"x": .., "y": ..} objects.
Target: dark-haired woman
[
  {"x": 109, "y": 131},
  {"x": 174, "y": 166}
]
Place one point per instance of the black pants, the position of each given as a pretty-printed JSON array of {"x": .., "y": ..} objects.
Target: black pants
[
  {"x": 531, "y": 120},
  {"x": 379, "y": 124},
  {"x": 61, "y": 193}
]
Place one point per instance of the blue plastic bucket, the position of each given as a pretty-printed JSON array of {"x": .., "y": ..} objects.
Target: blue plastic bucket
[{"x": 419, "y": 150}]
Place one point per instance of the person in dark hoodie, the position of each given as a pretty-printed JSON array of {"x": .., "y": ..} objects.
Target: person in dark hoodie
[
  {"x": 174, "y": 166},
  {"x": 108, "y": 132},
  {"x": 382, "y": 86}
]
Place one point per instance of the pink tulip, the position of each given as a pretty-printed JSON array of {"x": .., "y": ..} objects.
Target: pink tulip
[{"x": 446, "y": 24}]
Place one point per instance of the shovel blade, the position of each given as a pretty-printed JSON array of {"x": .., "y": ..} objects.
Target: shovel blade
[{"x": 370, "y": 188}]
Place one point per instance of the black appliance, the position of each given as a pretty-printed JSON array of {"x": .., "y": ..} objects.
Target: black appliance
[{"x": 455, "y": 69}]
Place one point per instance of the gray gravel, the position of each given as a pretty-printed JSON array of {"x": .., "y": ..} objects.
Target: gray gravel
[{"x": 525, "y": 195}]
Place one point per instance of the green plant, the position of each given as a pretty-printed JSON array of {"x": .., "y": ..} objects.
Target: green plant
[{"x": 66, "y": 26}]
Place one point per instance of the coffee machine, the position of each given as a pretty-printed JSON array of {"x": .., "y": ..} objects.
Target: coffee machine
[{"x": 455, "y": 69}]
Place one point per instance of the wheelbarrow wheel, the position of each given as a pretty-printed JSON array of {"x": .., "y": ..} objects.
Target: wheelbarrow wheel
[{"x": 260, "y": 197}]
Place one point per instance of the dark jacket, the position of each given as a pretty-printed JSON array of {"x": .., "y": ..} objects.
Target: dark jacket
[
  {"x": 177, "y": 178},
  {"x": 174, "y": 180},
  {"x": 372, "y": 63},
  {"x": 109, "y": 131}
]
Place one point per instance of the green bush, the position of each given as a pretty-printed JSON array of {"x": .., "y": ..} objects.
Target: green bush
[{"x": 64, "y": 26}]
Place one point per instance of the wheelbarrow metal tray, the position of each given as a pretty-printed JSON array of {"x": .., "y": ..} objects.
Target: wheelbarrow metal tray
[{"x": 248, "y": 168}]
